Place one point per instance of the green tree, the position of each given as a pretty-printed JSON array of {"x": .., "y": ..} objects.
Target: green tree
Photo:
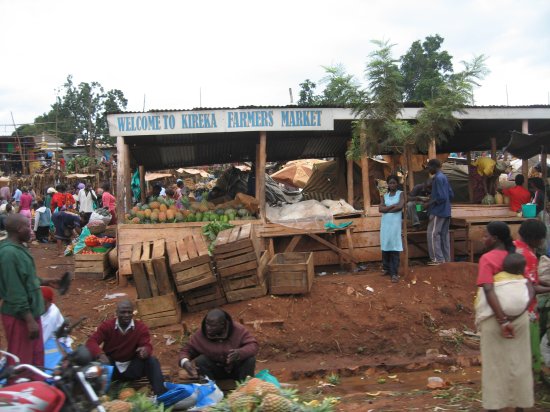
[
  {"x": 379, "y": 110},
  {"x": 307, "y": 94},
  {"x": 437, "y": 119},
  {"x": 425, "y": 68},
  {"x": 342, "y": 89},
  {"x": 79, "y": 113}
]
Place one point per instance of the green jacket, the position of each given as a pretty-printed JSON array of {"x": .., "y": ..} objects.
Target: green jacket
[{"x": 19, "y": 285}]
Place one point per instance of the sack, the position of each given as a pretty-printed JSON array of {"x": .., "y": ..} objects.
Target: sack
[
  {"x": 101, "y": 214},
  {"x": 544, "y": 269},
  {"x": 268, "y": 377},
  {"x": 191, "y": 396},
  {"x": 512, "y": 295}
]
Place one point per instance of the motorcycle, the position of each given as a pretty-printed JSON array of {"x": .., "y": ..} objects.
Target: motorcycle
[{"x": 72, "y": 387}]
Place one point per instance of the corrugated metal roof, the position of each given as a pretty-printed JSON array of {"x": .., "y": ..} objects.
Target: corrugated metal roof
[{"x": 251, "y": 107}]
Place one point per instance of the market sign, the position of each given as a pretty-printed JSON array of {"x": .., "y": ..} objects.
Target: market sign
[{"x": 220, "y": 121}]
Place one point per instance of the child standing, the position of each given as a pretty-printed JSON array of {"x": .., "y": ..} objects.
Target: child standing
[{"x": 42, "y": 220}]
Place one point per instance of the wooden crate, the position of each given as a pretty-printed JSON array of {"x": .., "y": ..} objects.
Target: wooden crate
[
  {"x": 291, "y": 273},
  {"x": 91, "y": 266},
  {"x": 150, "y": 269},
  {"x": 249, "y": 285},
  {"x": 237, "y": 252},
  {"x": 206, "y": 297},
  {"x": 159, "y": 310},
  {"x": 190, "y": 263}
]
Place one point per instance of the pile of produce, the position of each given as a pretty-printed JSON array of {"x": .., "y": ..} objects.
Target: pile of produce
[
  {"x": 128, "y": 400},
  {"x": 256, "y": 395},
  {"x": 164, "y": 210}
]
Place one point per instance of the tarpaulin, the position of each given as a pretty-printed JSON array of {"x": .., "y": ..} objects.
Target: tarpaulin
[{"x": 525, "y": 146}]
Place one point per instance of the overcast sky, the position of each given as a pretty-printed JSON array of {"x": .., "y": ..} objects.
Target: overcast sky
[{"x": 237, "y": 53}]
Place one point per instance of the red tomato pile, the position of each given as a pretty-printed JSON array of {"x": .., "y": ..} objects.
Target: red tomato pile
[
  {"x": 89, "y": 252},
  {"x": 91, "y": 241}
]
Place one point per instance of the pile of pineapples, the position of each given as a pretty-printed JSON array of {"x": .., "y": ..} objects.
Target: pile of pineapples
[{"x": 256, "y": 395}]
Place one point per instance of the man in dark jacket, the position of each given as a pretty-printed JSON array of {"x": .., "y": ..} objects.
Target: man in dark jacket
[
  {"x": 439, "y": 211},
  {"x": 221, "y": 349},
  {"x": 127, "y": 345}
]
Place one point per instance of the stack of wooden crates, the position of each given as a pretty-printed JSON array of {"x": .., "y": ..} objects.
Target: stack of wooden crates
[
  {"x": 193, "y": 274},
  {"x": 157, "y": 303},
  {"x": 240, "y": 263}
]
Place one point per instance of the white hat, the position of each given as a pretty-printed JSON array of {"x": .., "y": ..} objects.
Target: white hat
[{"x": 51, "y": 190}]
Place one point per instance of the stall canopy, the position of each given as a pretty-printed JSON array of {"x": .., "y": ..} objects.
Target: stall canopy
[
  {"x": 525, "y": 146},
  {"x": 160, "y": 140}
]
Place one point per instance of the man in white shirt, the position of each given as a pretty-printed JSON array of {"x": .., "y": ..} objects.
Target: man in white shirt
[{"x": 85, "y": 202}]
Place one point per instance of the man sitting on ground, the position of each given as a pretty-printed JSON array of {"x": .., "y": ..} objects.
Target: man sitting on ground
[
  {"x": 221, "y": 349},
  {"x": 127, "y": 345}
]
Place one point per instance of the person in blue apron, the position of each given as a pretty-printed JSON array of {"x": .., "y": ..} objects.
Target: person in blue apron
[{"x": 391, "y": 207}]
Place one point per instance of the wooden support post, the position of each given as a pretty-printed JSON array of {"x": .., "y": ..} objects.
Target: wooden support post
[
  {"x": 525, "y": 162},
  {"x": 432, "y": 152},
  {"x": 408, "y": 162},
  {"x": 123, "y": 191},
  {"x": 494, "y": 148},
  {"x": 365, "y": 183},
  {"x": 405, "y": 260},
  {"x": 349, "y": 178},
  {"x": 256, "y": 187},
  {"x": 142, "y": 188},
  {"x": 260, "y": 174},
  {"x": 470, "y": 183}
]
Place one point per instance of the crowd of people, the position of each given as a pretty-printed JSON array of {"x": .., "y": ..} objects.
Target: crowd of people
[
  {"x": 59, "y": 213},
  {"x": 220, "y": 349}
]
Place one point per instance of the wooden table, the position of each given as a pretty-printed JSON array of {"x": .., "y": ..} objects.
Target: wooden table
[
  {"x": 476, "y": 226},
  {"x": 271, "y": 231}
]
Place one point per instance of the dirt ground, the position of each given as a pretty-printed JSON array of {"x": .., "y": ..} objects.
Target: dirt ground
[{"x": 382, "y": 340}]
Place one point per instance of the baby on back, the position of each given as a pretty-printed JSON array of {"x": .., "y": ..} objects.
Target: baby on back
[{"x": 511, "y": 288}]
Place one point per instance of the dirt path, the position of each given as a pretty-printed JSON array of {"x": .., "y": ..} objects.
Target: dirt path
[{"x": 360, "y": 327}]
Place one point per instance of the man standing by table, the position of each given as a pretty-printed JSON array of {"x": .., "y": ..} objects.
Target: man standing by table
[{"x": 439, "y": 211}]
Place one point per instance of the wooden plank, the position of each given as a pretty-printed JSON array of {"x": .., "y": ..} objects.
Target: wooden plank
[
  {"x": 238, "y": 269},
  {"x": 293, "y": 243},
  {"x": 191, "y": 249},
  {"x": 228, "y": 247},
  {"x": 222, "y": 256},
  {"x": 193, "y": 272},
  {"x": 200, "y": 244},
  {"x": 245, "y": 231},
  {"x": 178, "y": 267},
  {"x": 160, "y": 267},
  {"x": 240, "y": 282},
  {"x": 181, "y": 246},
  {"x": 139, "y": 274},
  {"x": 148, "y": 264},
  {"x": 245, "y": 294},
  {"x": 204, "y": 294},
  {"x": 96, "y": 257},
  {"x": 172, "y": 251},
  {"x": 260, "y": 173},
  {"x": 237, "y": 260},
  {"x": 223, "y": 237},
  {"x": 234, "y": 235},
  {"x": 207, "y": 305},
  {"x": 163, "y": 320},
  {"x": 341, "y": 252},
  {"x": 195, "y": 284},
  {"x": 156, "y": 304}
]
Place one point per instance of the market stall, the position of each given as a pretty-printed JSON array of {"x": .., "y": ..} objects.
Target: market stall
[{"x": 179, "y": 139}]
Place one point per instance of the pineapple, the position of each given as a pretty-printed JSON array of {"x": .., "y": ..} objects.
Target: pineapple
[
  {"x": 265, "y": 388},
  {"x": 242, "y": 403},
  {"x": 276, "y": 403},
  {"x": 117, "y": 406},
  {"x": 250, "y": 386},
  {"x": 126, "y": 393}
]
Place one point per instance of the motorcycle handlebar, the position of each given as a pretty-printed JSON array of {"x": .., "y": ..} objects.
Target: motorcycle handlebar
[{"x": 33, "y": 369}]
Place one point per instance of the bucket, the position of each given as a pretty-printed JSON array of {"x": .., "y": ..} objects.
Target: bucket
[
  {"x": 419, "y": 207},
  {"x": 529, "y": 210}
]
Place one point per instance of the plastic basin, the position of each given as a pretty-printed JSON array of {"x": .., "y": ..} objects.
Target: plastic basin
[{"x": 529, "y": 210}]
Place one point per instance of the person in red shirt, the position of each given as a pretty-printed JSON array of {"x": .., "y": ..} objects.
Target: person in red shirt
[
  {"x": 62, "y": 199},
  {"x": 127, "y": 346},
  {"x": 25, "y": 203},
  {"x": 518, "y": 195},
  {"x": 506, "y": 375},
  {"x": 221, "y": 349},
  {"x": 109, "y": 202},
  {"x": 532, "y": 233}
]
